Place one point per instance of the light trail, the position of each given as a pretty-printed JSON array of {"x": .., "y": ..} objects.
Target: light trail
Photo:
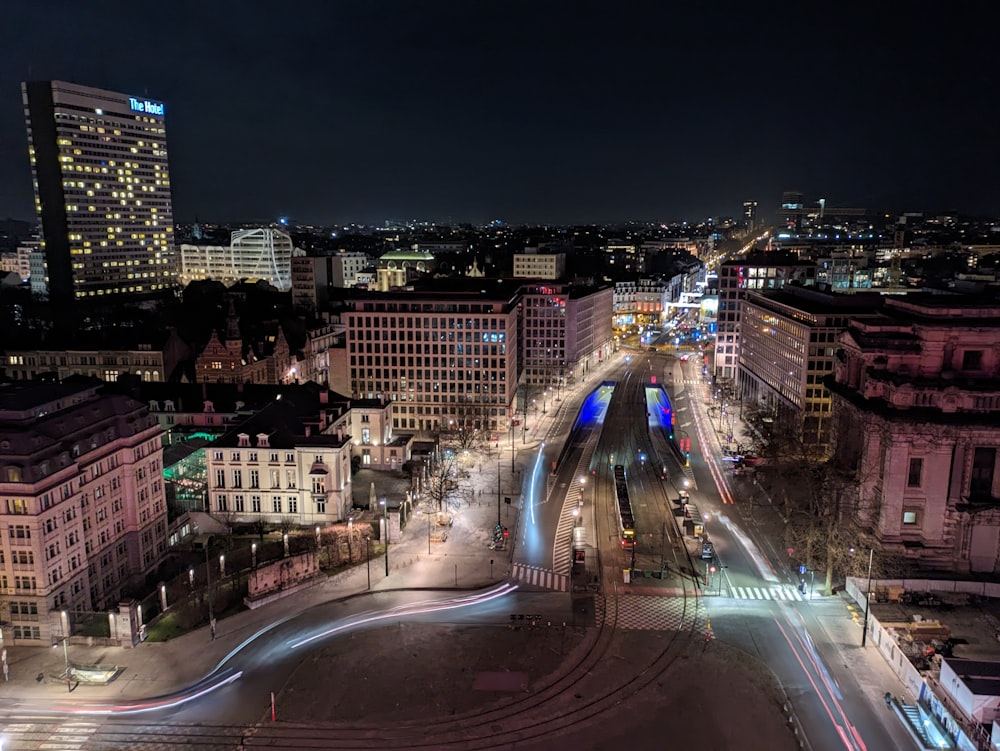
[
  {"x": 411, "y": 609},
  {"x": 847, "y": 733}
]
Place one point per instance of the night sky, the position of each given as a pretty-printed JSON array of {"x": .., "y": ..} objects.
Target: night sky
[{"x": 535, "y": 112}]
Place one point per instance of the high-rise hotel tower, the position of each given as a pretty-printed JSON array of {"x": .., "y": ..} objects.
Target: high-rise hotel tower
[{"x": 102, "y": 191}]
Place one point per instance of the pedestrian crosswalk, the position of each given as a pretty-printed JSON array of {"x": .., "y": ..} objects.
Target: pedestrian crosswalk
[
  {"x": 787, "y": 593},
  {"x": 540, "y": 577},
  {"x": 570, "y": 516}
]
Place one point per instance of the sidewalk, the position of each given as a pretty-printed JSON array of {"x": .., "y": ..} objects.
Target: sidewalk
[{"x": 463, "y": 561}]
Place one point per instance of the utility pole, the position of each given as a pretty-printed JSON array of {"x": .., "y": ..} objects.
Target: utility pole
[
  {"x": 208, "y": 587},
  {"x": 498, "y": 490},
  {"x": 868, "y": 596}
]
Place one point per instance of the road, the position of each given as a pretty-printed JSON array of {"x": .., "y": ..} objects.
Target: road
[
  {"x": 752, "y": 604},
  {"x": 755, "y": 601}
]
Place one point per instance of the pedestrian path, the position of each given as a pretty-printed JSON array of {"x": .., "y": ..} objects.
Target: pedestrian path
[
  {"x": 562, "y": 546},
  {"x": 540, "y": 577},
  {"x": 785, "y": 592}
]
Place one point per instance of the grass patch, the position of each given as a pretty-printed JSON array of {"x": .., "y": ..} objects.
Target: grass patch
[{"x": 165, "y": 629}]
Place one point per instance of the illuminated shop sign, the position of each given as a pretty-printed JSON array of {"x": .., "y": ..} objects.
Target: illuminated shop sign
[{"x": 145, "y": 106}]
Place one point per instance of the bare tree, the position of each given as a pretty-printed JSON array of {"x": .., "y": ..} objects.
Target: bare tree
[
  {"x": 442, "y": 479},
  {"x": 468, "y": 429}
]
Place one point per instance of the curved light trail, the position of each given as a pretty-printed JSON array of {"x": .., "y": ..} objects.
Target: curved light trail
[
  {"x": 413, "y": 608},
  {"x": 223, "y": 676}
]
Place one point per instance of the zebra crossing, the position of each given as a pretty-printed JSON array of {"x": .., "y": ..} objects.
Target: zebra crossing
[
  {"x": 36, "y": 732},
  {"x": 540, "y": 577},
  {"x": 782, "y": 593}
]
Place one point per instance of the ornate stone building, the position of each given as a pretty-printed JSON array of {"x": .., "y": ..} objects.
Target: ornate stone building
[{"x": 917, "y": 418}]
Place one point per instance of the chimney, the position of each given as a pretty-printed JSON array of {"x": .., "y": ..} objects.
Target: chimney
[{"x": 324, "y": 396}]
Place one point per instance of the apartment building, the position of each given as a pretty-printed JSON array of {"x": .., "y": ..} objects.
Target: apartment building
[
  {"x": 310, "y": 282},
  {"x": 82, "y": 508},
  {"x": 916, "y": 417},
  {"x": 640, "y": 302}
]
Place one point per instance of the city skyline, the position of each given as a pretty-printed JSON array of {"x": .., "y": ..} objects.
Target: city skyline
[{"x": 559, "y": 114}]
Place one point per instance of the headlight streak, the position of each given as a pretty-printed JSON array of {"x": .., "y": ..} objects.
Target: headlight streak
[
  {"x": 849, "y": 736},
  {"x": 534, "y": 481},
  {"x": 792, "y": 614},
  {"x": 168, "y": 703},
  {"x": 760, "y": 562},
  {"x": 708, "y": 451},
  {"x": 227, "y": 675},
  {"x": 411, "y": 609}
]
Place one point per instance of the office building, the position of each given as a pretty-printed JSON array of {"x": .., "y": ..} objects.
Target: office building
[
  {"x": 788, "y": 348},
  {"x": 102, "y": 191},
  {"x": 532, "y": 264},
  {"x": 439, "y": 356},
  {"x": 750, "y": 215},
  {"x": 252, "y": 254},
  {"x": 755, "y": 271},
  {"x": 565, "y": 331}
]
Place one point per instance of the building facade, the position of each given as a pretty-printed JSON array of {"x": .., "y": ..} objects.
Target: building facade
[
  {"x": 755, "y": 271},
  {"x": 641, "y": 302},
  {"x": 102, "y": 191},
  {"x": 917, "y": 420},
  {"x": 261, "y": 253},
  {"x": 532, "y": 264},
  {"x": 565, "y": 331},
  {"x": 345, "y": 268},
  {"x": 290, "y": 463},
  {"x": 310, "y": 282},
  {"x": 82, "y": 505},
  {"x": 156, "y": 359},
  {"x": 788, "y": 350},
  {"x": 437, "y": 356}
]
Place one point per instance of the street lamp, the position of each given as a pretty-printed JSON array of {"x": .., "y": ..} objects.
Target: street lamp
[
  {"x": 868, "y": 596},
  {"x": 253, "y": 554},
  {"x": 498, "y": 490},
  {"x": 64, "y": 620},
  {"x": 368, "y": 545}
]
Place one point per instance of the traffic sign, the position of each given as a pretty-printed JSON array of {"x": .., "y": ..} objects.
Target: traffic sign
[{"x": 802, "y": 569}]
